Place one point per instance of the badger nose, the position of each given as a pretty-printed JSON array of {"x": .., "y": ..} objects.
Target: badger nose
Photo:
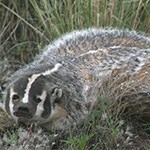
[{"x": 23, "y": 109}]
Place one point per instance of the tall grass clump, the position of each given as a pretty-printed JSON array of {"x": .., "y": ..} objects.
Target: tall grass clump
[{"x": 28, "y": 25}]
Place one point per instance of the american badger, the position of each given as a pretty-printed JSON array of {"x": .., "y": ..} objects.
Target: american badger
[{"x": 62, "y": 84}]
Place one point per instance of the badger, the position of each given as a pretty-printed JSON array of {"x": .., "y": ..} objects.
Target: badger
[{"x": 62, "y": 85}]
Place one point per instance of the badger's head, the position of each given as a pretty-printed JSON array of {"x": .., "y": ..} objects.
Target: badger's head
[
  {"x": 32, "y": 99},
  {"x": 50, "y": 98},
  {"x": 35, "y": 98}
]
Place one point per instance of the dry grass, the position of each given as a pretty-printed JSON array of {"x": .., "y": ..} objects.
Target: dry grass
[{"x": 28, "y": 25}]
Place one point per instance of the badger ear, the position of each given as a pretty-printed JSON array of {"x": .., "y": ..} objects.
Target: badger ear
[{"x": 56, "y": 95}]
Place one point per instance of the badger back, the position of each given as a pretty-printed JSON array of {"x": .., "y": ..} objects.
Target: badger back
[{"x": 81, "y": 41}]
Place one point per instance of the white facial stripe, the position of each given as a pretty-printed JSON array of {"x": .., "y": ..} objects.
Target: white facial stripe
[
  {"x": 31, "y": 80},
  {"x": 34, "y": 77},
  {"x": 11, "y": 105},
  {"x": 40, "y": 107}
]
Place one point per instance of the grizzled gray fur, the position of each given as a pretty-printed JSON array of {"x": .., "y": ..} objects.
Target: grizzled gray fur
[{"x": 62, "y": 84}]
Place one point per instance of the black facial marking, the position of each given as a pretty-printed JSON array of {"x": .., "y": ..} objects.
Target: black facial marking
[
  {"x": 36, "y": 88},
  {"x": 37, "y": 99},
  {"x": 15, "y": 97},
  {"x": 20, "y": 86},
  {"x": 47, "y": 107},
  {"x": 7, "y": 101}
]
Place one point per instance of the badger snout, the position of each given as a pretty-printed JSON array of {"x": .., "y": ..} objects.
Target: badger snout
[{"x": 23, "y": 111}]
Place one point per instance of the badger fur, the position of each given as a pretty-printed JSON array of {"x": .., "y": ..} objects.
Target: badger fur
[{"x": 62, "y": 84}]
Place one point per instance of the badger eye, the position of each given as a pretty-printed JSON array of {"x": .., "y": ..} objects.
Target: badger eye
[
  {"x": 15, "y": 97},
  {"x": 38, "y": 100}
]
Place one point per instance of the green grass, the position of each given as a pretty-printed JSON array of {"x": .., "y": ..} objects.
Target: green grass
[{"x": 78, "y": 142}]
